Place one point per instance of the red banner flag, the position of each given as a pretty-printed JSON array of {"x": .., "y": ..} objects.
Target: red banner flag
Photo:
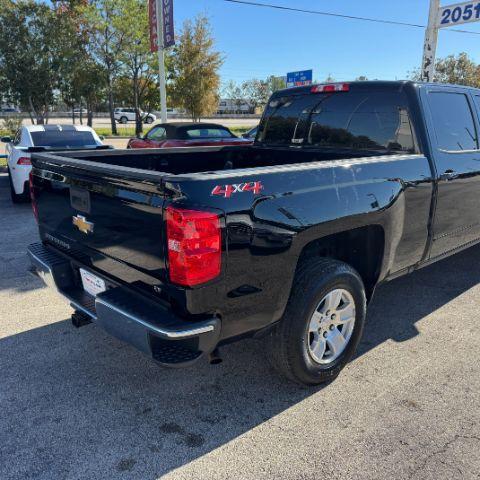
[{"x": 152, "y": 17}]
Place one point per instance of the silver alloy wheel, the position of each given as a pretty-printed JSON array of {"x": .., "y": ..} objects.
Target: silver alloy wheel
[{"x": 331, "y": 326}]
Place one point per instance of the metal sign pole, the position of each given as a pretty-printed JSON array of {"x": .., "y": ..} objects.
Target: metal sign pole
[
  {"x": 430, "y": 46},
  {"x": 161, "y": 62}
]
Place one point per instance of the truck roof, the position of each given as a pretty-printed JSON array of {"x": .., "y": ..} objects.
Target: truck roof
[{"x": 368, "y": 84}]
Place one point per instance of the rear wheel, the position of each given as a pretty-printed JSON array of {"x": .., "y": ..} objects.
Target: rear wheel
[
  {"x": 123, "y": 120},
  {"x": 17, "y": 197},
  {"x": 149, "y": 120},
  {"x": 322, "y": 324}
]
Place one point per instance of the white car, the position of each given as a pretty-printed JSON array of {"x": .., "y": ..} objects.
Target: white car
[
  {"x": 48, "y": 136},
  {"x": 124, "y": 115}
]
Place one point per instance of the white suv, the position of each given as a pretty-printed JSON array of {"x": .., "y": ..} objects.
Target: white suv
[
  {"x": 50, "y": 137},
  {"x": 124, "y": 115}
]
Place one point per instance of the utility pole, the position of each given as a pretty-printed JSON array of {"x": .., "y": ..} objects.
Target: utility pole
[
  {"x": 161, "y": 61},
  {"x": 430, "y": 45}
]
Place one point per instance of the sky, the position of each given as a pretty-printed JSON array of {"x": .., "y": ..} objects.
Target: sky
[{"x": 258, "y": 42}]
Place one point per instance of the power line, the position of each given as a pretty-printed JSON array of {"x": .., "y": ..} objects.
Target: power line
[{"x": 338, "y": 15}]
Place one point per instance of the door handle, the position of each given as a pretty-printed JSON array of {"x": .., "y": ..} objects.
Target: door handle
[{"x": 448, "y": 175}]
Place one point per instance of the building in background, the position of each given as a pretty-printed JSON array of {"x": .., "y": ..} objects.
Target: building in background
[{"x": 228, "y": 105}]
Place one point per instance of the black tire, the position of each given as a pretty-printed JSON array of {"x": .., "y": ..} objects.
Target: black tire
[
  {"x": 288, "y": 341},
  {"x": 123, "y": 120},
  {"x": 17, "y": 198},
  {"x": 149, "y": 120}
]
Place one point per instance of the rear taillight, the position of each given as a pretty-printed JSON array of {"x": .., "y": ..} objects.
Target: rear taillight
[
  {"x": 194, "y": 246},
  {"x": 32, "y": 196},
  {"x": 24, "y": 161},
  {"x": 331, "y": 87}
]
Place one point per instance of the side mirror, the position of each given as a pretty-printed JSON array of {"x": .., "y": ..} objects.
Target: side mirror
[
  {"x": 101, "y": 137},
  {"x": 6, "y": 139}
]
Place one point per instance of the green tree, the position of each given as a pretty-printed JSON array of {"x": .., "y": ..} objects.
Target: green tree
[
  {"x": 138, "y": 63},
  {"x": 456, "y": 69},
  {"x": 193, "y": 80},
  {"x": 149, "y": 93},
  {"x": 276, "y": 83},
  {"x": 30, "y": 61},
  {"x": 234, "y": 92},
  {"x": 256, "y": 92},
  {"x": 90, "y": 84},
  {"x": 82, "y": 80},
  {"x": 102, "y": 23},
  {"x": 459, "y": 70}
]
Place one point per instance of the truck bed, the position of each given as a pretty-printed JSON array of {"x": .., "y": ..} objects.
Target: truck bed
[{"x": 186, "y": 160}]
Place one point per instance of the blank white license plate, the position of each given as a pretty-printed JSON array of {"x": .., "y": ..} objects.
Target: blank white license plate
[{"x": 91, "y": 283}]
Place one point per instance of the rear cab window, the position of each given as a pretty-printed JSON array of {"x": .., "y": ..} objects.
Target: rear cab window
[
  {"x": 63, "y": 138},
  {"x": 363, "y": 120}
]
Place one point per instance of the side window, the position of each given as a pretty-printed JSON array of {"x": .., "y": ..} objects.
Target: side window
[
  {"x": 477, "y": 102},
  {"x": 453, "y": 121},
  {"x": 157, "y": 133}
]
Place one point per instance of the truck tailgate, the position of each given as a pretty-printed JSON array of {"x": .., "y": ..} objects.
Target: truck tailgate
[{"x": 102, "y": 216}]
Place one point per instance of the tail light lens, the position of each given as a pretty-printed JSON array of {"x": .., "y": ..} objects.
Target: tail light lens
[
  {"x": 32, "y": 196},
  {"x": 194, "y": 246},
  {"x": 24, "y": 161}
]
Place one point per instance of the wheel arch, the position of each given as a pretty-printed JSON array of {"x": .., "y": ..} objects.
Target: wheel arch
[{"x": 363, "y": 248}]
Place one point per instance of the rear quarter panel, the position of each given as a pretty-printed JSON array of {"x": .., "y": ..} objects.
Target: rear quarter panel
[{"x": 298, "y": 204}]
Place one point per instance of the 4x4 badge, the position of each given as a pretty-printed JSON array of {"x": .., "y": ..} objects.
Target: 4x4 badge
[
  {"x": 227, "y": 190},
  {"x": 83, "y": 224}
]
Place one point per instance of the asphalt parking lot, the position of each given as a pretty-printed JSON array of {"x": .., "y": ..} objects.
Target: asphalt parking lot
[{"x": 78, "y": 404}]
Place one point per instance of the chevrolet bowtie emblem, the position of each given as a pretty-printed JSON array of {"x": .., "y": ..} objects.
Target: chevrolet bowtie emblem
[{"x": 82, "y": 224}]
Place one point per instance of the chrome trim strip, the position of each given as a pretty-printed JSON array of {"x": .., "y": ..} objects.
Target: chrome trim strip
[{"x": 174, "y": 334}]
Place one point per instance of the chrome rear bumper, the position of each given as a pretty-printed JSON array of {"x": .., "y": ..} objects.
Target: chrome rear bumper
[{"x": 133, "y": 318}]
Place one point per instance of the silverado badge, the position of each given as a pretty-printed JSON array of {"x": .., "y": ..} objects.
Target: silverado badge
[{"x": 83, "y": 224}]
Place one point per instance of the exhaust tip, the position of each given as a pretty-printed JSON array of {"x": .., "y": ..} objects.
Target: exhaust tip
[{"x": 214, "y": 357}]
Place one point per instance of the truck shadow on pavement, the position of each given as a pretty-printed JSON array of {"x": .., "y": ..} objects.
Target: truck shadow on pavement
[
  {"x": 79, "y": 404},
  {"x": 17, "y": 230}
]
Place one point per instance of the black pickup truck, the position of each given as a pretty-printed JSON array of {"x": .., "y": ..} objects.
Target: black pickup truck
[{"x": 179, "y": 251}]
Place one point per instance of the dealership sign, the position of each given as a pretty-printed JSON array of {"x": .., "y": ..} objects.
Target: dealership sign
[
  {"x": 442, "y": 17},
  {"x": 165, "y": 23},
  {"x": 460, "y": 13}
]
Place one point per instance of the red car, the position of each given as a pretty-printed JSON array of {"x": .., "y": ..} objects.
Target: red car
[{"x": 183, "y": 134}]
